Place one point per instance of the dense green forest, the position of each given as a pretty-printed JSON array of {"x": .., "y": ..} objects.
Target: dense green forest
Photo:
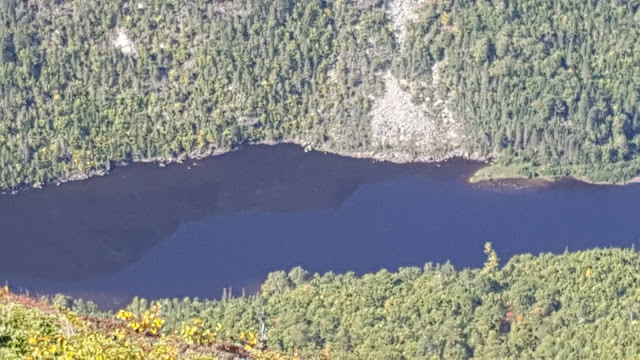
[
  {"x": 582, "y": 305},
  {"x": 550, "y": 86},
  {"x": 553, "y": 85},
  {"x": 86, "y": 83}
]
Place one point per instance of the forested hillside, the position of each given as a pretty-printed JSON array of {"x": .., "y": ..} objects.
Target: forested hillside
[
  {"x": 550, "y": 86},
  {"x": 583, "y": 305},
  {"x": 85, "y": 83}
]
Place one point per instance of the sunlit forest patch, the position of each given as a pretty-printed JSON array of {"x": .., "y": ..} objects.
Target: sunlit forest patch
[{"x": 549, "y": 86}]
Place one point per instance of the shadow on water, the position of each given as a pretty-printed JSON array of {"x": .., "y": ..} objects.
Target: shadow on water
[
  {"x": 92, "y": 229},
  {"x": 190, "y": 230}
]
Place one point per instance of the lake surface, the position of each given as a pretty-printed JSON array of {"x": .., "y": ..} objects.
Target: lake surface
[{"x": 192, "y": 230}]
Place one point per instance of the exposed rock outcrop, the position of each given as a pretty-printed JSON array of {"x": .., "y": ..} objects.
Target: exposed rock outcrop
[{"x": 123, "y": 43}]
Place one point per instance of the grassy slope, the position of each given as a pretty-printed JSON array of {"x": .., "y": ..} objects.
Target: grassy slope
[{"x": 32, "y": 329}]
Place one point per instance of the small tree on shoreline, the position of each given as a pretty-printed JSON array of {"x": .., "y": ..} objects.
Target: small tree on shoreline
[{"x": 493, "y": 261}]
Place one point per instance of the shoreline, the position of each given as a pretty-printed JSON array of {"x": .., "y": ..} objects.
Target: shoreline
[
  {"x": 524, "y": 183},
  {"x": 632, "y": 181},
  {"x": 496, "y": 174},
  {"x": 392, "y": 157},
  {"x": 496, "y": 179}
]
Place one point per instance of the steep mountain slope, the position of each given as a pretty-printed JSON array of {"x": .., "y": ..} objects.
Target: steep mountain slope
[{"x": 549, "y": 87}]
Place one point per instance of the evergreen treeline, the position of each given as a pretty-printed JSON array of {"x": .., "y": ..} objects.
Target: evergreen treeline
[
  {"x": 86, "y": 83},
  {"x": 583, "y": 305},
  {"x": 552, "y": 86}
]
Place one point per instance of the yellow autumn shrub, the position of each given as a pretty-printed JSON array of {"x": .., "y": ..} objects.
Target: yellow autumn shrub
[{"x": 34, "y": 330}]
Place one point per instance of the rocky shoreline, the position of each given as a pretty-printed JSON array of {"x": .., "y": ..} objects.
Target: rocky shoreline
[{"x": 397, "y": 157}]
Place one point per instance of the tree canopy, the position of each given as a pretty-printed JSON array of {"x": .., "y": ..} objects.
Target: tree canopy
[
  {"x": 549, "y": 86},
  {"x": 84, "y": 84},
  {"x": 580, "y": 305}
]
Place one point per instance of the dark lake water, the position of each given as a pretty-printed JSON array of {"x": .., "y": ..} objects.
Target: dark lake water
[{"x": 191, "y": 230}]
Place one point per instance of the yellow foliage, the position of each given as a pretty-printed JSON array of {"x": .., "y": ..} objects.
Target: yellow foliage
[
  {"x": 124, "y": 315},
  {"x": 44, "y": 332},
  {"x": 201, "y": 139},
  {"x": 248, "y": 339},
  {"x": 445, "y": 18},
  {"x": 193, "y": 332},
  {"x": 149, "y": 324}
]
